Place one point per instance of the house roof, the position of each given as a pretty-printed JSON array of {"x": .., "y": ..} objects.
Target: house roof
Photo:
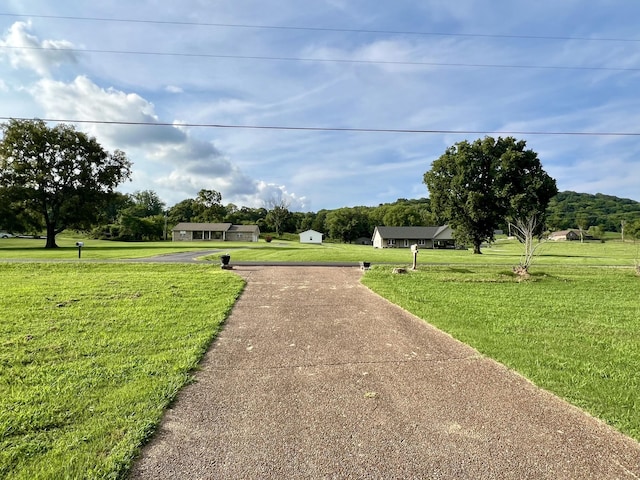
[
  {"x": 562, "y": 233},
  {"x": 244, "y": 228},
  {"x": 205, "y": 227},
  {"x": 411, "y": 232},
  {"x": 312, "y": 232}
]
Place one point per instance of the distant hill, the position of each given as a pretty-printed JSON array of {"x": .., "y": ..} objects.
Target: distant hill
[{"x": 568, "y": 209}]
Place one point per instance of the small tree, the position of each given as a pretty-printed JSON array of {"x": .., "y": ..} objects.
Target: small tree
[
  {"x": 583, "y": 221},
  {"x": 597, "y": 232},
  {"x": 633, "y": 230},
  {"x": 525, "y": 230},
  {"x": 278, "y": 213}
]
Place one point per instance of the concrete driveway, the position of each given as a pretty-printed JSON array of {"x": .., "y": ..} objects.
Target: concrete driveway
[{"x": 314, "y": 376}]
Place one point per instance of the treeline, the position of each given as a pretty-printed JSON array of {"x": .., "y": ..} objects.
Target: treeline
[{"x": 143, "y": 216}]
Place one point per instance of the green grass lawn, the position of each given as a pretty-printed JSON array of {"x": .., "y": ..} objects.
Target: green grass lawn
[
  {"x": 502, "y": 252},
  {"x": 91, "y": 353},
  {"x": 572, "y": 330},
  {"x": 90, "y": 356},
  {"x": 33, "y": 249}
]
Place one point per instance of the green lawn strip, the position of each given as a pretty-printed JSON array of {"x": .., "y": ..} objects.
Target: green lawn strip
[
  {"x": 32, "y": 249},
  {"x": 91, "y": 355},
  {"x": 503, "y": 252},
  {"x": 570, "y": 330}
]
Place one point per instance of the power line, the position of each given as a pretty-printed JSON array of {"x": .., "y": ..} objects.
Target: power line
[
  {"x": 326, "y": 60},
  {"x": 322, "y": 29},
  {"x": 333, "y": 129}
]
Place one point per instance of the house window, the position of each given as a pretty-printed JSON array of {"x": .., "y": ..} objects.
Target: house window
[
  {"x": 422, "y": 241},
  {"x": 198, "y": 235},
  {"x": 406, "y": 242},
  {"x": 391, "y": 242}
]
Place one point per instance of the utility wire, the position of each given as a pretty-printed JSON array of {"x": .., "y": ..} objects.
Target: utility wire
[
  {"x": 326, "y": 60},
  {"x": 322, "y": 29},
  {"x": 333, "y": 129}
]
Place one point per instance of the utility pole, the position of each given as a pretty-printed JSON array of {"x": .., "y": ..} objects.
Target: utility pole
[{"x": 165, "y": 226}]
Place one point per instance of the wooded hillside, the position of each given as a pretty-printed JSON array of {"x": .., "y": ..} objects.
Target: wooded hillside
[{"x": 571, "y": 209}]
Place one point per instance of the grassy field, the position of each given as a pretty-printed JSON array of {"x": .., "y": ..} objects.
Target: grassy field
[
  {"x": 33, "y": 249},
  {"x": 502, "y": 252},
  {"x": 93, "y": 351},
  {"x": 90, "y": 356},
  {"x": 571, "y": 330}
]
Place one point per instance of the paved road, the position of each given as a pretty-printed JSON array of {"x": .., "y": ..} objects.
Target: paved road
[
  {"x": 181, "y": 257},
  {"x": 314, "y": 376},
  {"x": 192, "y": 257}
]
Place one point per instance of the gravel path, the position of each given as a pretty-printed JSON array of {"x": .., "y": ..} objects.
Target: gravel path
[{"x": 314, "y": 376}]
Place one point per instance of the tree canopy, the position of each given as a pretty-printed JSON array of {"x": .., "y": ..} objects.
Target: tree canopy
[
  {"x": 348, "y": 224},
  {"x": 61, "y": 176},
  {"x": 476, "y": 186},
  {"x": 278, "y": 213}
]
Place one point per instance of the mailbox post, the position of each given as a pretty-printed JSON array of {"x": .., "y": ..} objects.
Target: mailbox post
[
  {"x": 414, "y": 252},
  {"x": 79, "y": 245}
]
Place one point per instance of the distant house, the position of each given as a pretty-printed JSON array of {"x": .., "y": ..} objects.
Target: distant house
[
  {"x": 225, "y": 232},
  {"x": 564, "y": 235},
  {"x": 311, "y": 236},
  {"x": 404, "y": 237}
]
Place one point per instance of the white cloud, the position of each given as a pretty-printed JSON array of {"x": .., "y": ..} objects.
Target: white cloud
[
  {"x": 182, "y": 163},
  {"x": 25, "y": 50},
  {"x": 331, "y": 169},
  {"x": 85, "y": 101}
]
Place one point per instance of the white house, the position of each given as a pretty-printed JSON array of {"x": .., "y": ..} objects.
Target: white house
[
  {"x": 404, "y": 237},
  {"x": 311, "y": 236}
]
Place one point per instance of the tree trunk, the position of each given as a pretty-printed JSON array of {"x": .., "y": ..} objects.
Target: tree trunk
[
  {"x": 522, "y": 272},
  {"x": 476, "y": 249},
  {"x": 51, "y": 236}
]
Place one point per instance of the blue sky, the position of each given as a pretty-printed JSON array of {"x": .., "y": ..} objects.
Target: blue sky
[{"x": 464, "y": 65}]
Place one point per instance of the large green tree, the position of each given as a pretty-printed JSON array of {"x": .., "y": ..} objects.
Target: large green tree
[
  {"x": 183, "y": 211},
  {"x": 208, "y": 206},
  {"x": 144, "y": 219},
  {"x": 146, "y": 203},
  {"x": 60, "y": 174},
  {"x": 476, "y": 186},
  {"x": 348, "y": 224}
]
